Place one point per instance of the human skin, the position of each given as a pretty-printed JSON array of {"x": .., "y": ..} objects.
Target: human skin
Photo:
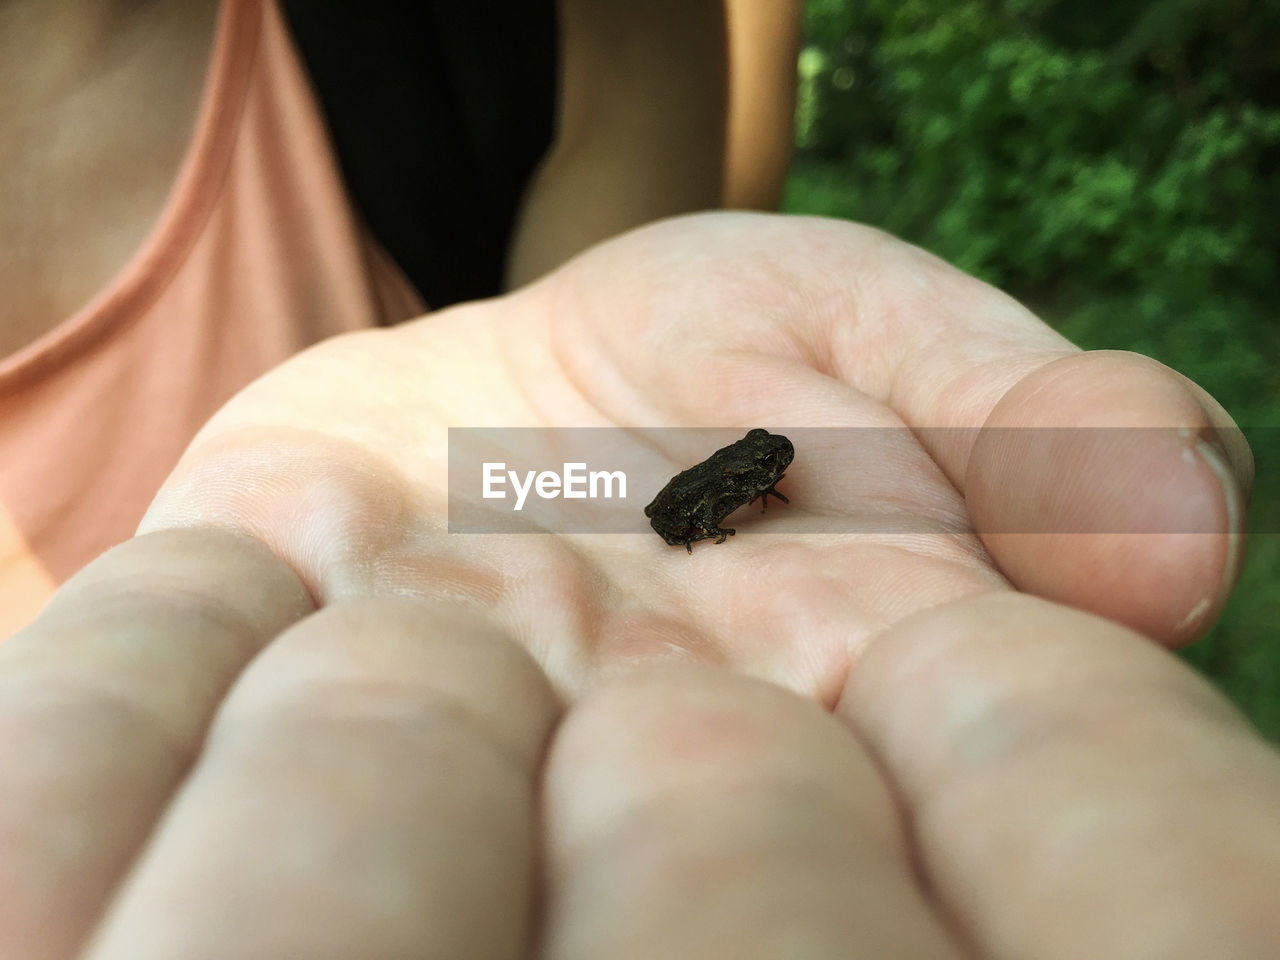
[
  {"x": 296, "y": 717},
  {"x": 97, "y": 105},
  {"x": 665, "y": 107}
]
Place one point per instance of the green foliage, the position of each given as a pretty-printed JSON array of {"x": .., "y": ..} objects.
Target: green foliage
[{"x": 1114, "y": 165}]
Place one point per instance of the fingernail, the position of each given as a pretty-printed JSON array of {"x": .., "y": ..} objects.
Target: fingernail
[{"x": 1233, "y": 500}]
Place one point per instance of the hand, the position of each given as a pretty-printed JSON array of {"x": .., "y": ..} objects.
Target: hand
[{"x": 785, "y": 746}]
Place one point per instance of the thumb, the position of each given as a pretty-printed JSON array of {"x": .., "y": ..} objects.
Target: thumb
[{"x": 1104, "y": 481}]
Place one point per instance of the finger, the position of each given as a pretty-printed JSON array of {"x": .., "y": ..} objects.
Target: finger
[
  {"x": 1142, "y": 524},
  {"x": 1074, "y": 792},
  {"x": 104, "y": 700},
  {"x": 833, "y": 323},
  {"x": 691, "y": 813},
  {"x": 366, "y": 791}
]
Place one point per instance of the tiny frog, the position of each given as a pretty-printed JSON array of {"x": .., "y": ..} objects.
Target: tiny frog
[{"x": 692, "y": 506}]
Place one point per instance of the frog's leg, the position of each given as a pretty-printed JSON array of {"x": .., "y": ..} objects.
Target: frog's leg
[
  {"x": 724, "y": 533},
  {"x": 705, "y": 533},
  {"x": 763, "y": 496},
  {"x": 695, "y": 537}
]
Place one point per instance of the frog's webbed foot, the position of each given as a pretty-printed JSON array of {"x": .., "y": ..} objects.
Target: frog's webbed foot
[
  {"x": 704, "y": 533},
  {"x": 763, "y": 497}
]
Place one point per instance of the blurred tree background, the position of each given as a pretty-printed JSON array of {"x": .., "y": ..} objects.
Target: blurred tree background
[{"x": 1114, "y": 165}]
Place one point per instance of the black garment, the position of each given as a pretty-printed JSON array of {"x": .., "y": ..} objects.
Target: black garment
[{"x": 439, "y": 111}]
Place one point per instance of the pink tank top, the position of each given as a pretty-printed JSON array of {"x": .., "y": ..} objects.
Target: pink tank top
[{"x": 257, "y": 254}]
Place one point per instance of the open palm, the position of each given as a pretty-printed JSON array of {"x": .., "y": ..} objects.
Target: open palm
[{"x": 906, "y": 743}]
